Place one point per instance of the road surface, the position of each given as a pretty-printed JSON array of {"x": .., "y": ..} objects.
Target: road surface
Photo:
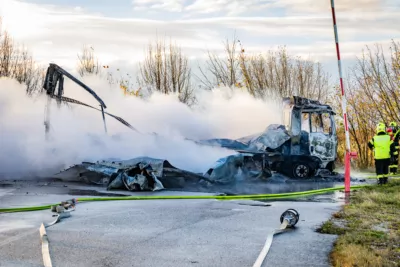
[{"x": 199, "y": 233}]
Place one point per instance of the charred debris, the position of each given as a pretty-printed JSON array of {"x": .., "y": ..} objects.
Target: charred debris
[{"x": 303, "y": 146}]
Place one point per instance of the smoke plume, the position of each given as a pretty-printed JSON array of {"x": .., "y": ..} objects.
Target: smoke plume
[{"x": 164, "y": 124}]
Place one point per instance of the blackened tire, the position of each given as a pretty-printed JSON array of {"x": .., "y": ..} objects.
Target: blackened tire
[
  {"x": 301, "y": 170},
  {"x": 331, "y": 166}
]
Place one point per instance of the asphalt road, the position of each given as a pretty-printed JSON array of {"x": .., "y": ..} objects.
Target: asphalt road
[{"x": 163, "y": 233}]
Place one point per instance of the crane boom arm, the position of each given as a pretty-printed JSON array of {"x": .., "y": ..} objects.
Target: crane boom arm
[{"x": 54, "y": 76}]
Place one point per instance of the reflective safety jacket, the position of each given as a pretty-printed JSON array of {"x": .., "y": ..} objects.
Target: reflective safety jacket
[
  {"x": 396, "y": 138},
  {"x": 382, "y": 145}
]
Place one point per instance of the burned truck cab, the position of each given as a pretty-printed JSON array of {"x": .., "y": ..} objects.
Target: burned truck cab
[{"x": 312, "y": 148}]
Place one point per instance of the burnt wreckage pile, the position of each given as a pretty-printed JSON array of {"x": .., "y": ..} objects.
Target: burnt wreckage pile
[{"x": 304, "y": 145}]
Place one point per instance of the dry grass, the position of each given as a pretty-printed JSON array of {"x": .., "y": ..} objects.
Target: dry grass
[{"x": 368, "y": 228}]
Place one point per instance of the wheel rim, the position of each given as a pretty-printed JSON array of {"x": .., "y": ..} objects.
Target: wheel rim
[{"x": 301, "y": 171}]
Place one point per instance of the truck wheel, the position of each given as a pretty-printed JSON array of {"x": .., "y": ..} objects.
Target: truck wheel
[
  {"x": 331, "y": 166},
  {"x": 301, "y": 170}
]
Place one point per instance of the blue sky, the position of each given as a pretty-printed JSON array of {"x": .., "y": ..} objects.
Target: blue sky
[{"x": 55, "y": 30}]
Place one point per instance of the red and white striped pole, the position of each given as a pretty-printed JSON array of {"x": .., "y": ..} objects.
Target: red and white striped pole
[{"x": 348, "y": 154}]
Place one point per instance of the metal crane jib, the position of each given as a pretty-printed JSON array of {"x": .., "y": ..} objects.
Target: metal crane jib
[{"x": 54, "y": 87}]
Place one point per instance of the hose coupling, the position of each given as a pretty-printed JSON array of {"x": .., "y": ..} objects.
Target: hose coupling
[{"x": 291, "y": 216}]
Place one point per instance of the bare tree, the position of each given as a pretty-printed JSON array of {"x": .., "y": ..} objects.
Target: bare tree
[
  {"x": 165, "y": 69},
  {"x": 17, "y": 63},
  {"x": 274, "y": 74},
  {"x": 279, "y": 74},
  {"x": 372, "y": 96},
  {"x": 222, "y": 71},
  {"x": 88, "y": 63},
  {"x": 378, "y": 78}
]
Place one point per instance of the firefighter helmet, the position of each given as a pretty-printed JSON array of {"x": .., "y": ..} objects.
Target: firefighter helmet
[
  {"x": 392, "y": 127},
  {"x": 380, "y": 128}
]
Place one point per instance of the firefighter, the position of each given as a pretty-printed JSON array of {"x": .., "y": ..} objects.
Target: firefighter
[
  {"x": 394, "y": 131},
  {"x": 381, "y": 144}
]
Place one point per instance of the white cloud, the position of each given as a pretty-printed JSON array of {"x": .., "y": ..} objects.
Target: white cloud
[
  {"x": 321, "y": 5},
  {"x": 57, "y": 34},
  {"x": 349, "y": 50},
  {"x": 359, "y": 25},
  {"x": 235, "y": 7},
  {"x": 167, "y": 5},
  {"x": 230, "y": 7}
]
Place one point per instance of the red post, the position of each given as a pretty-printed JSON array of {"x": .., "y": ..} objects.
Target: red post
[
  {"x": 348, "y": 154},
  {"x": 347, "y": 172}
]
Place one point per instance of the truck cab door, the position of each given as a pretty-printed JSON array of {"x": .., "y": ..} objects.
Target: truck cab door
[{"x": 323, "y": 138}]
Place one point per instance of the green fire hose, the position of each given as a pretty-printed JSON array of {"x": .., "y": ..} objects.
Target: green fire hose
[{"x": 217, "y": 197}]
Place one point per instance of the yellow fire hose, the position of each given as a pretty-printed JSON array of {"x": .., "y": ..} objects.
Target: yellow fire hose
[{"x": 217, "y": 197}]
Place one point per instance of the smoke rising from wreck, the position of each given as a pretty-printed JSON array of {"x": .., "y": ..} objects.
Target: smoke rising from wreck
[{"x": 77, "y": 132}]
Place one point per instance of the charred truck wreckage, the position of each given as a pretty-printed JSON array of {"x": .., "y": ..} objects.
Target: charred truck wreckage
[{"x": 304, "y": 145}]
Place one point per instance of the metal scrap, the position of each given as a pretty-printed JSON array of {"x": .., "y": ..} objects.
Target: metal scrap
[
  {"x": 271, "y": 138},
  {"x": 140, "y": 177}
]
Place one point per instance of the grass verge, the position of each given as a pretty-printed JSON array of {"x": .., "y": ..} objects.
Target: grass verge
[{"x": 368, "y": 228}]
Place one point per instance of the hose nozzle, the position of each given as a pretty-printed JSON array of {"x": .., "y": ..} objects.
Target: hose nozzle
[{"x": 291, "y": 216}]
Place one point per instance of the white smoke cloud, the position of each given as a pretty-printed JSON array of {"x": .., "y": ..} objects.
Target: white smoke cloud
[{"x": 77, "y": 132}]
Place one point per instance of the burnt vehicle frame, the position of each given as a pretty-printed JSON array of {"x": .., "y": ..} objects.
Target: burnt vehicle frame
[{"x": 312, "y": 148}]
